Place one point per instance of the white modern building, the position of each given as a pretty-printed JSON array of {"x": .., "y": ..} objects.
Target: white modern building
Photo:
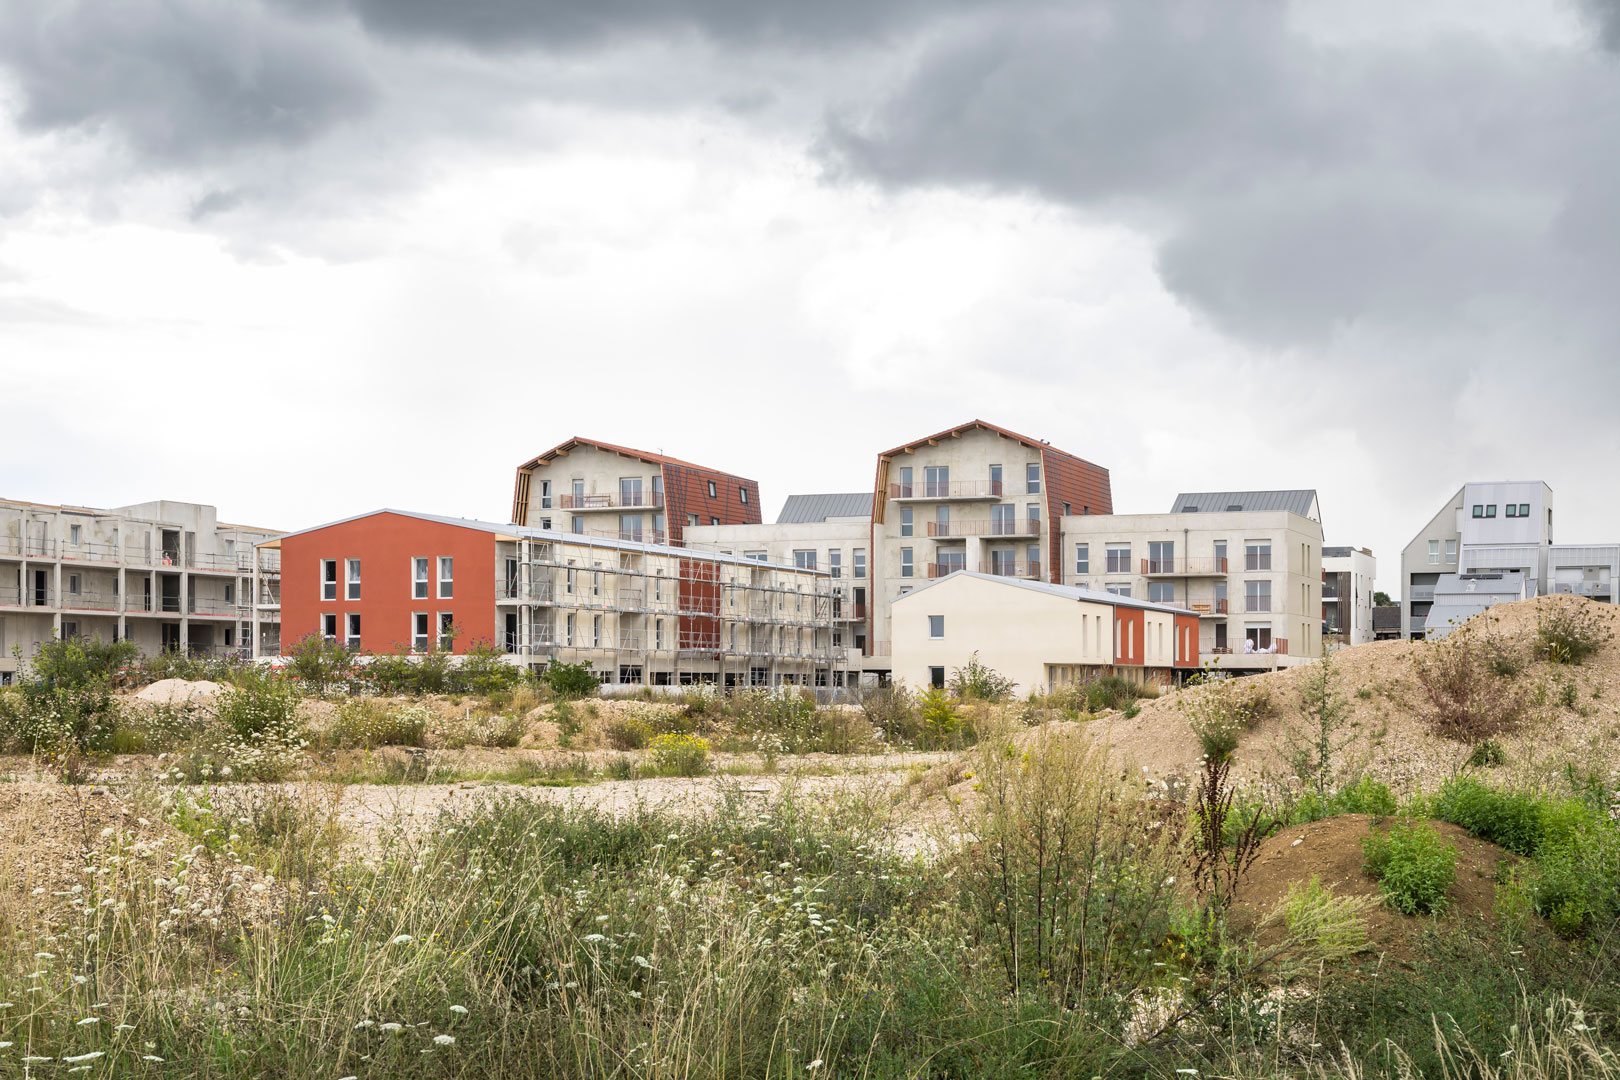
[
  {"x": 1349, "y": 576},
  {"x": 1499, "y": 528},
  {"x": 1247, "y": 563},
  {"x": 165, "y": 575}
]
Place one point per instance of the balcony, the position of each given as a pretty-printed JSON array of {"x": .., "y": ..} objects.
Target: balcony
[
  {"x": 633, "y": 536},
  {"x": 941, "y": 569},
  {"x": 1330, "y": 592},
  {"x": 88, "y": 601},
  {"x": 1278, "y": 647},
  {"x": 1420, "y": 593},
  {"x": 1014, "y": 568},
  {"x": 984, "y": 527},
  {"x": 947, "y": 489},
  {"x": 1580, "y": 588},
  {"x": 1212, "y": 566},
  {"x": 1419, "y": 623},
  {"x": 616, "y": 500},
  {"x": 1257, "y": 604}
]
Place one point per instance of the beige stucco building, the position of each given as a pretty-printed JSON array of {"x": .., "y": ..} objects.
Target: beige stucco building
[{"x": 1248, "y": 564}]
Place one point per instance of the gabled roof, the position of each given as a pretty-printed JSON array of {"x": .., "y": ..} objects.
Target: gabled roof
[
  {"x": 949, "y": 433},
  {"x": 1301, "y": 501},
  {"x": 1066, "y": 592},
  {"x": 800, "y": 509},
  {"x": 562, "y": 449}
]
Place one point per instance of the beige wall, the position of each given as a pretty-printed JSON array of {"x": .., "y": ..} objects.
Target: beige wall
[
  {"x": 600, "y": 470},
  {"x": 1017, "y": 631}
]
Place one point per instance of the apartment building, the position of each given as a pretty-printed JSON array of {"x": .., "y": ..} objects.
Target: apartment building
[
  {"x": 1248, "y": 564},
  {"x": 641, "y": 614},
  {"x": 598, "y": 489},
  {"x": 1040, "y": 635},
  {"x": 825, "y": 532},
  {"x": 1487, "y": 530},
  {"x": 1349, "y": 578},
  {"x": 165, "y": 575},
  {"x": 973, "y": 497}
]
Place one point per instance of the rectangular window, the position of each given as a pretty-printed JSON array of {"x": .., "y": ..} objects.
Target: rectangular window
[
  {"x": 942, "y": 520},
  {"x": 936, "y": 678},
  {"x": 692, "y": 519},
  {"x": 630, "y": 491},
  {"x": 73, "y": 534},
  {"x": 568, "y": 630},
  {"x": 1490, "y": 510},
  {"x": 596, "y": 631},
  {"x": 835, "y": 562},
  {"x": 1434, "y": 552},
  {"x": 1512, "y": 509},
  {"x": 545, "y": 523},
  {"x": 578, "y": 487},
  {"x": 1479, "y": 511},
  {"x": 714, "y": 521},
  {"x": 447, "y": 577},
  {"x": 742, "y": 495},
  {"x": 419, "y": 579},
  {"x": 905, "y": 521},
  {"x": 1451, "y": 551},
  {"x": 937, "y": 481},
  {"x": 905, "y": 482},
  {"x": 230, "y": 592},
  {"x": 1120, "y": 590},
  {"x": 1034, "y": 517},
  {"x": 936, "y": 626},
  {"x": 804, "y": 560},
  {"x": 860, "y": 562},
  {"x": 329, "y": 582},
  {"x": 576, "y": 523},
  {"x": 1119, "y": 558},
  {"x": 1257, "y": 555},
  {"x": 352, "y": 639},
  {"x": 630, "y": 527},
  {"x": 419, "y": 631},
  {"x": 1524, "y": 511},
  {"x": 995, "y": 480},
  {"x": 1003, "y": 520},
  {"x": 447, "y": 630},
  {"x": 658, "y": 633},
  {"x": 1032, "y": 479},
  {"x": 1257, "y": 596},
  {"x": 73, "y": 584},
  {"x": 905, "y": 562},
  {"x": 329, "y": 626},
  {"x": 1161, "y": 558},
  {"x": 1220, "y": 556},
  {"x": 1161, "y": 592},
  {"x": 354, "y": 579},
  {"x": 545, "y": 494},
  {"x": 1082, "y": 558},
  {"x": 713, "y": 491}
]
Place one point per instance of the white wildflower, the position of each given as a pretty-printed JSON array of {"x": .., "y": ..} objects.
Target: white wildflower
[
  {"x": 444, "y": 1040},
  {"x": 459, "y": 1010},
  {"x": 87, "y": 1021},
  {"x": 91, "y": 1056},
  {"x": 402, "y": 939},
  {"x": 391, "y": 1028}
]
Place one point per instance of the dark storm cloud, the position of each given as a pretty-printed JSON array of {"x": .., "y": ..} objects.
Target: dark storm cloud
[
  {"x": 1296, "y": 187},
  {"x": 181, "y": 81},
  {"x": 1606, "y": 14}
]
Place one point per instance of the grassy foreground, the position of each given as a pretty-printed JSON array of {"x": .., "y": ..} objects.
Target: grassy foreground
[{"x": 236, "y": 932}]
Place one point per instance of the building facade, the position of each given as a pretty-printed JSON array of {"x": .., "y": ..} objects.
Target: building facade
[
  {"x": 1247, "y": 564},
  {"x": 639, "y": 614},
  {"x": 829, "y": 533},
  {"x": 1349, "y": 576},
  {"x": 1040, "y": 635},
  {"x": 164, "y": 575},
  {"x": 606, "y": 491},
  {"x": 974, "y": 497}
]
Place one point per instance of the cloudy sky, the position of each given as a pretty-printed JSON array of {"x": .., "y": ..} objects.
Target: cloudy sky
[{"x": 302, "y": 258}]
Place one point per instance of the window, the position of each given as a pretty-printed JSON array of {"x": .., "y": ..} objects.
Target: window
[
  {"x": 1032, "y": 479},
  {"x": 1161, "y": 558},
  {"x": 692, "y": 519},
  {"x": 905, "y": 482},
  {"x": 658, "y": 634},
  {"x": 545, "y": 500},
  {"x": 1490, "y": 510},
  {"x": 630, "y": 491},
  {"x": 905, "y": 562},
  {"x": 713, "y": 491},
  {"x": 329, "y": 626},
  {"x": 447, "y": 629},
  {"x": 568, "y": 630},
  {"x": 1034, "y": 517},
  {"x": 936, "y": 627},
  {"x": 578, "y": 486},
  {"x": 1003, "y": 562},
  {"x": 1119, "y": 558},
  {"x": 1161, "y": 592},
  {"x": 905, "y": 521},
  {"x": 714, "y": 521},
  {"x": 1257, "y": 638},
  {"x": 860, "y": 562},
  {"x": 329, "y": 582},
  {"x": 576, "y": 524},
  {"x": 630, "y": 527},
  {"x": 1451, "y": 551},
  {"x": 352, "y": 640},
  {"x": 1479, "y": 511},
  {"x": 742, "y": 494},
  {"x": 1257, "y": 596},
  {"x": 937, "y": 481},
  {"x": 419, "y": 579},
  {"x": 1067, "y": 510},
  {"x": 354, "y": 579},
  {"x": 1082, "y": 558},
  {"x": 1257, "y": 555},
  {"x": 73, "y": 584},
  {"x": 545, "y": 523},
  {"x": 1524, "y": 511},
  {"x": 835, "y": 562},
  {"x": 757, "y": 556},
  {"x": 942, "y": 520},
  {"x": 230, "y": 636},
  {"x": 1003, "y": 520},
  {"x": 596, "y": 631},
  {"x": 1120, "y": 590},
  {"x": 936, "y": 678},
  {"x": 419, "y": 631},
  {"x": 804, "y": 560},
  {"x": 73, "y": 534},
  {"x": 1512, "y": 509},
  {"x": 995, "y": 479},
  {"x": 1220, "y": 556},
  {"x": 1434, "y": 552},
  {"x": 230, "y": 592},
  {"x": 447, "y": 577}
]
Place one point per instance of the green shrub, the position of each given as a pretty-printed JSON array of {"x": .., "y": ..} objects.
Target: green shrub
[
  {"x": 891, "y": 710},
  {"x": 403, "y": 673},
  {"x": 484, "y": 670},
  {"x": 64, "y": 700},
  {"x": 1487, "y": 754},
  {"x": 976, "y": 682},
  {"x": 570, "y": 681},
  {"x": 940, "y": 719},
  {"x": 627, "y": 732},
  {"x": 1570, "y": 631},
  {"x": 679, "y": 755},
  {"x": 320, "y": 663},
  {"x": 1507, "y": 820},
  {"x": 1220, "y": 711},
  {"x": 1413, "y": 866},
  {"x": 365, "y": 723}
]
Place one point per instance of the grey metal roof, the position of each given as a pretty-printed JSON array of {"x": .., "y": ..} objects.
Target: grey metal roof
[
  {"x": 805, "y": 508},
  {"x": 1215, "y": 502},
  {"x": 1066, "y": 592}
]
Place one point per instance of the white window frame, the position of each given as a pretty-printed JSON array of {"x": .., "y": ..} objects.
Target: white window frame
[
  {"x": 447, "y": 583},
  {"x": 351, "y": 630},
  {"x": 936, "y": 628},
  {"x": 324, "y": 579},
  {"x": 908, "y": 566},
  {"x": 1032, "y": 478},
  {"x": 1082, "y": 558},
  {"x": 420, "y": 639},
  {"x": 421, "y": 567},
  {"x": 351, "y": 581}
]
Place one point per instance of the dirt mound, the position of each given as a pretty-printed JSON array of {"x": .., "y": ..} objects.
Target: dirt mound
[
  {"x": 1330, "y": 850},
  {"x": 178, "y": 692},
  {"x": 1390, "y": 739}
]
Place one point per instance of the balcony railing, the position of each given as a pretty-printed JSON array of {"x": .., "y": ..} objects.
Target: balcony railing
[
  {"x": 948, "y": 489},
  {"x": 1421, "y": 592},
  {"x": 941, "y": 569},
  {"x": 985, "y": 527},
  {"x": 1278, "y": 647},
  {"x": 86, "y": 601},
  {"x": 1185, "y": 566},
  {"x": 1257, "y": 603},
  {"x": 1581, "y": 588},
  {"x": 1018, "y": 568},
  {"x": 612, "y": 500}
]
